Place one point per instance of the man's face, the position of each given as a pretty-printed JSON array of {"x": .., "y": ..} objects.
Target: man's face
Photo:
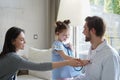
[{"x": 86, "y": 32}]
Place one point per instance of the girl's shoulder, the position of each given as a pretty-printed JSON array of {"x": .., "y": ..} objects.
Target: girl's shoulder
[{"x": 57, "y": 43}]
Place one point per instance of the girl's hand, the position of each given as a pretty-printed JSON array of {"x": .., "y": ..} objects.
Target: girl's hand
[{"x": 70, "y": 46}]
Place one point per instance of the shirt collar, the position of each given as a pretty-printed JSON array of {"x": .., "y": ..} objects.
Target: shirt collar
[
  {"x": 100, "y": 46},
  {"x": 92, "y": 53}
]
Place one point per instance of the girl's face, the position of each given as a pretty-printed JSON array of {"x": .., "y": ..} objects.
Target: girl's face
[
  {"x": 64, "y": 35},
  {"x": 19, "y": 42}
]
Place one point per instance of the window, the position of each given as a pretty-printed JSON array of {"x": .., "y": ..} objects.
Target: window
[
  {"x": 78, "y": 39},
  {"x": 102, "y": 8},
  {"x": 112, "y": 21},
  {"x": 112, "y": 30}
]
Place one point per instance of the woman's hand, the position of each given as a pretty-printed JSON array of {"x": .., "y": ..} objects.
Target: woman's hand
[
  {"x": 70, "y": 62},
  {"x": 83, "y": 62},
  {"x": 74, "y": 62}
]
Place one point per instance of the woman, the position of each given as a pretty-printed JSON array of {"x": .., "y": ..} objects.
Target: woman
[{"x": 10, "y": 62}]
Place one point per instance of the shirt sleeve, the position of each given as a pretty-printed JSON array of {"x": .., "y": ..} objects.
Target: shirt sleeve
[
  {"x": 57, "y": 45},
  {"x": 25, "y": 64},
  {"x": 110, "y": 68}
]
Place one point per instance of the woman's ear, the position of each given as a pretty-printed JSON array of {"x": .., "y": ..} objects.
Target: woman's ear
[{"x": 13, "y": 42}]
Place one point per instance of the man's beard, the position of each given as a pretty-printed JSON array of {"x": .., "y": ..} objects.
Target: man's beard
[{"x": 87, "y": 39}]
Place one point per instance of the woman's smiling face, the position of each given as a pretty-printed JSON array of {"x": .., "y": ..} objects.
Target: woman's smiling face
[{"x": 19, "y": 42}]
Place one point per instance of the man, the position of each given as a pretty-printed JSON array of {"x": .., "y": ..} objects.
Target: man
[{"x": 104, "y": 59}]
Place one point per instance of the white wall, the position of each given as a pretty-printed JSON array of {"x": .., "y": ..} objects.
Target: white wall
[
  {"x": 75, "y": 10},
  {"x": 31, "y": 15}
]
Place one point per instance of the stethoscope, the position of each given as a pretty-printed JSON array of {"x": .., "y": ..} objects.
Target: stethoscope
[{"x": 75, "y": 68}]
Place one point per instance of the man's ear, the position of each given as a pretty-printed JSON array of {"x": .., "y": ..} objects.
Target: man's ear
[{"x": 93, "y": 31}]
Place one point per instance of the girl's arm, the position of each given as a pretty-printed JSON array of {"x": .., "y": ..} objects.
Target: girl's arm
[
  {"x": 63, "y": 55},
  {"x": 66, "y": 57}
]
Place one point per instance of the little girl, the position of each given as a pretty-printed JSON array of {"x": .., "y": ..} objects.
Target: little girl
[{"x": 61, "y": 52}]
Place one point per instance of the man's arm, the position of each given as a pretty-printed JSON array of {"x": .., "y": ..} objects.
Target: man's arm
[{"x": 110, "y": 68}]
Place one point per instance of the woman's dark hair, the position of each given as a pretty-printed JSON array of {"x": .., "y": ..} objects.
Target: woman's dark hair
[
  {"x": 97, "y": 23},
  {"x": 62, "y": 25},
  {"x": 10, "y": 36}
]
